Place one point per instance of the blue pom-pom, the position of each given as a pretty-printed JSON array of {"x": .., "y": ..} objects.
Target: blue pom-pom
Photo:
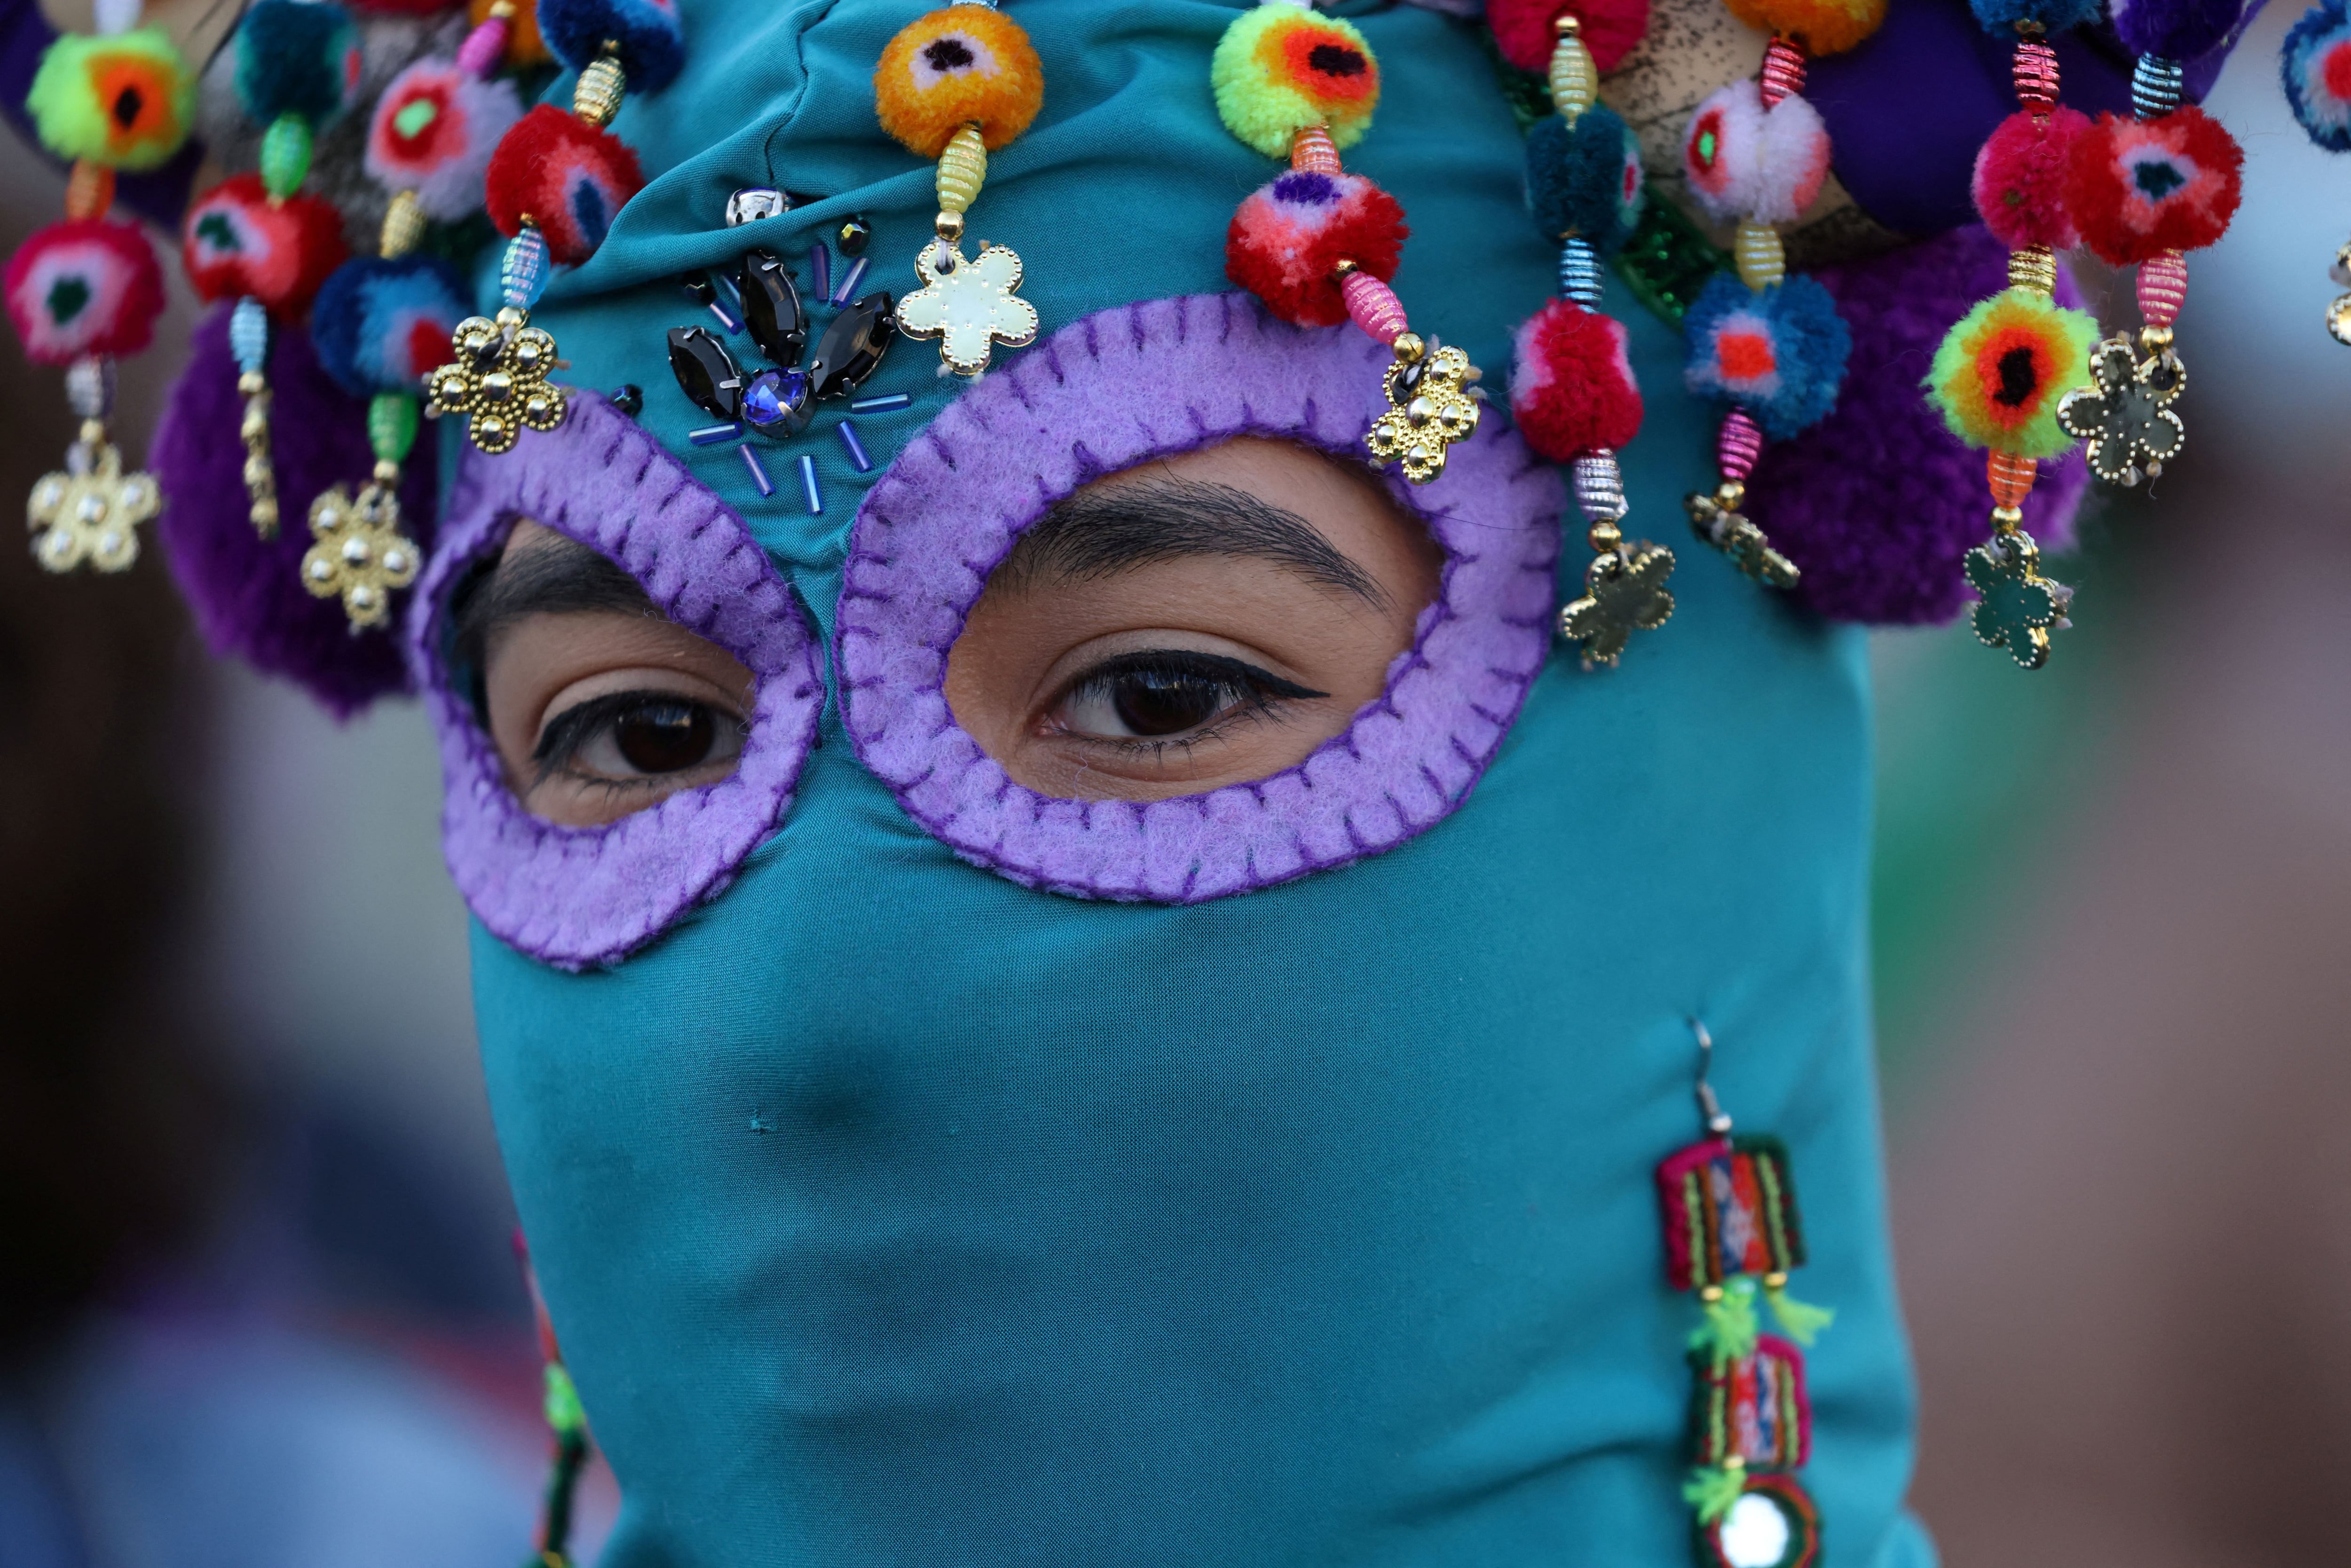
[
  {"x": 2000, "y": 16},
  {"x": 1779, "y": 354},
  {"x": 297, "y": 56},
  {"x": 1585, "y": 179},
  {"x": 2320, "y": 40},
  {"x": 382, "y": 325},
  {"x": 653, "y": 43},
  {"x": 2174, "y": 29}
]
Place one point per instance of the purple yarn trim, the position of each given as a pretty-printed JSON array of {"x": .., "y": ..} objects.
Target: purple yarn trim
[
  {"x": 578, "y": 896},
  {"x": 246, "y": 591},
  {"x": 1878, "y": 503},
  {"x": 1122, "y": 387}
]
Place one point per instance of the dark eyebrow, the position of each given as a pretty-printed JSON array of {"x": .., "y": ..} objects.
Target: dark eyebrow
[
  {"x": 1101, "y": 531},
  {"x": 556, "y": 575}
]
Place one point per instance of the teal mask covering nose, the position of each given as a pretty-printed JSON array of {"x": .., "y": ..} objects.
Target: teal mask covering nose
[{"x": 903, "y": 1196}]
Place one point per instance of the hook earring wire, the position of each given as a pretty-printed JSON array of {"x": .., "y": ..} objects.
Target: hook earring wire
[{"x": 1718, "y": 1119}]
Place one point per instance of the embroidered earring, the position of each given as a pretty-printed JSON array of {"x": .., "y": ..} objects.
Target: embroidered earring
[
  {"x": 1732, "y": 1233},
  {"x": 85, "y": 290},
  {"x": 955, "y": 85},
  {"x": 1319, "y": 246},
  {"x": 2315, "y": 64}
]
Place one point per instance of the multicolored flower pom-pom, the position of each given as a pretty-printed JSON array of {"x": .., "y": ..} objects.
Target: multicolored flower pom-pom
[
  {"x": 2140, "y": 187},
  {"x": 650, "y": 39},
  {"x": 1525, "y": 30},
  {"x": 2021, "y": 179},
  {"x": 298, "y": 58},
  {"x": 1821, "y": 27},
  {"x": 84, "y": 286},
  {"x": 1287, "y": 240},
  {"x": 2001, "y": 372},
  {"x": 2317, "y": 65},
  {"x": 433, "y": 132},
  {"x": 563, "y": 175},
  {"x": 122, "y": 103},
  {"x": 1572, "y": 386},
  {"x": 237, "y": 242},
  {"x": 1744, "y": 161},
  {"x": 964, "y": 65},
  {"x": 383, "y": 324},
  {"x": 1779, "y": 353},
  {"x": 1585, "y": 179},
  {"x": 1280, "y": 69}
]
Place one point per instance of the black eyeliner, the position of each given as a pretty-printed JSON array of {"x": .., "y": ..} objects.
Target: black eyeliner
[
  {"x": 1179, "y": 662},
  {"x": 567, "y": 731}
]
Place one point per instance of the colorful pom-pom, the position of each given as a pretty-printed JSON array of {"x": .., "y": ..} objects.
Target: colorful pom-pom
[
  {"x": 298, "y": 58},
  {"x": 2021, "y": 179},
  {"x": 238, "y": 242},
  {"x": 2174, "y": 29},
  {"x": 1585, "y": 179},
  {"x": 1744, "y": 161},
  {"x": 1288, "y": 237},
  {"x": 965, "y": 64},
  {"x": 1999, "y": 373},
  {"x": 1571, "y": 387},
  {"x": 2316, "y": 65},
  {"x": 2140, "y": 187},
  {"x": 650, "y": 39},
  {"x": 84, "y": 286},
  {"x": 1822, "y": 27},
  {"x": 433, "y": 132},
  {"x": 383, "y": 324},
  {"x": 569, "y": 177},
  {"x": 525, "y": 46},
  {"x": 1524, "y": 30},
  {"x": 2000, "y": 18},
  {"x": 1279, "y": 68},
  {"x": 1779, "y": 354},
  {"x": 122, "y": 103}
]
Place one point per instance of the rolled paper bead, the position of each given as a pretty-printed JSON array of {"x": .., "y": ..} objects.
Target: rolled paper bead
[
  {"x": 285, "y": 154},
  {"x": 2162, "y": 288},
  {"x": 249, "y": 335},
  {"x": 392, "y": 425},
  {"x": 89, "y": 190},
  {"x": 1579, "y": 273},
  {"x": 2155, "y": 86},
  {"x": 596, "y": 96},
  {"x": 1737, "y": 445},
  {"x": 1280, "y": 67},
  {"x": 2033, "y": 266},
  {"x": 522, "y": 270},
  {"x": 1599, "y": 487},
  {"x": 484, "y": 48},
  {"x": 403, "y": 224},
  {"x": 1312, "y": 152},
  {"x": 90, "y": 386},
  {"x": 964, "y": 65},
  {"x": 2012, "y": 477},
  {"x": 962, "y": 171},
  {"x": 1575, "y": 80},
  {"x": 1761, "y": 259},
  {"x": 1783, "y": 71},
  {"x": 2033, "y": 71},
  {"x": 525, "y": 46},
  {"x": 1372, "y": 305}
]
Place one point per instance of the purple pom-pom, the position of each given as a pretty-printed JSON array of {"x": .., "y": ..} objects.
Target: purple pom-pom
[
  {"x": 1878, "y": 503},
  {"x": 246, "y": 591},
  {"x": 2174, "y": 29}
]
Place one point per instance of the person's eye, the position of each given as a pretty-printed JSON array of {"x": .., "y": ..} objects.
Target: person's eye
[
  {"x": 1164, "y": 695},
  {"x": 626, "y": 739}
]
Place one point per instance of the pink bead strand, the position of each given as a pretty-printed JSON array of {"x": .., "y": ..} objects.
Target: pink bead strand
[
  {"x": 1738, "y": 446},
  {"x": 484, "y": 48},
  {"x": 1783, "y": 72},
  {"x": 2162, "y": 288},
  {"x": 1373, "y": 307}
]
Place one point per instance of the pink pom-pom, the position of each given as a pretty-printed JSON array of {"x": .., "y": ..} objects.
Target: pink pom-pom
[
  {"x": 84, "y": 286},
  {"x": 1571, "y": 387},
  {"x": 1744, "y": 161},
  {"x": 2140, "y": 187},
  {"x": 2020, "y": 181},
  {"x": 1372, "y": 305},
  {"x": 567, "y": 176},
  {"x": 1523, "y": 30},
  {"x": 1287, "y": 240},
  {"x": 236, "y": 240},
  {"x": 432, "y": 131}
]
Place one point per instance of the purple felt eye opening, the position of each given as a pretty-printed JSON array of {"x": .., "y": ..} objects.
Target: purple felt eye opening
[
  {"x": 1123, "y": 387},
  {"x": 580, "y": 896}
]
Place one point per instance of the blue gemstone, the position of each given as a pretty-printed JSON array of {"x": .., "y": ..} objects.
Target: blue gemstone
[{"x": 776, "y": 402}]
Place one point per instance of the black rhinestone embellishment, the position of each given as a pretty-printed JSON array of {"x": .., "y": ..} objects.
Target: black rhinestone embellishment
[
  {"x": 705, "y": 371},
  {"x": 771, "y": 307},
  {"x": 629, "y": 398},
  {"x": 854, "y": 235},
  {"x": 851, "y": 347}
]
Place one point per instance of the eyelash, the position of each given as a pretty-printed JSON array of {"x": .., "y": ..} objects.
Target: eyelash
[
  {"x": 560, "y": 741},
  {"x": 1265, "y": 694}
]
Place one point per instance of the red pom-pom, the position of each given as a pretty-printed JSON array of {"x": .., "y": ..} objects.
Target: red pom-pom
[
  {"x": 237, "y": 242},
  {"x": 565, "y": 176},
  {"x": 2020, "y": 175},
  {"x": 1523, "y": 31},
  {"x": 1572, "y": 389},
  {"x": 1287, "y": 240},
  {"x": 2141, "y": 187},
  {"x": 84, "y": 286}
]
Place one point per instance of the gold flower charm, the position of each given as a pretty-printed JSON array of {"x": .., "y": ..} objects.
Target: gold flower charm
[
  {"x": 1429, "y": 409},
  {"x": 1623, "y": 593},
  {"x": 498, "y": 378},
  {"x": 1718, "y": 520},
  {"x": 2126, "y": 417},
  {"x": 968, "y": 305},
  {"x": 91, "y": 511},
  {"x": 2020, "y": 607},
  {"x": 360, "y": 552}
]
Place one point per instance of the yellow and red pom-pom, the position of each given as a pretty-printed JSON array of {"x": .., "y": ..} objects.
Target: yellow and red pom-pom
[
  {"x": 1280, "y": 69},
  {"x": 237, "y": 241},
  {"x": 1822, "y": 27},
  {"x": 122, "y": 101},
  {"x": 1999, "y": 373},
  {"x": 1287, "y": 239},
  {"x": 1571, "y": 387},
  {"x": 963, "y": 66},
  {"x": 569, "y": 177}
]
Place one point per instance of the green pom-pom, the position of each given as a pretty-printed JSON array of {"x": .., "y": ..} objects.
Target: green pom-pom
[
  {"x": 122, "y": 101},
  {"x": 2000, "y": 374},
  {"x": 1710, "y": 1492},
  {"x": 1281, "y": 67}
]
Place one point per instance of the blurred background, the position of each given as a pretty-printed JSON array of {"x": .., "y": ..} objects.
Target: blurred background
[{"x": 2113, "y": 929}]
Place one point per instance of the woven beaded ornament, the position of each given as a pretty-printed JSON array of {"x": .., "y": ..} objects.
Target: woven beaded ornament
[
  {"x": 1731, "y": 1232},
  {"x": 1319, "y": 245},
  {"x": 2002, "y": 370},
  {"x": 1772, "y": 347},
  {"x": 955, "y": 85},
  {"x": 1571, "y": 387},
  {"x": 2315, "y": 65},
  {"x": 86, "y": 290}
]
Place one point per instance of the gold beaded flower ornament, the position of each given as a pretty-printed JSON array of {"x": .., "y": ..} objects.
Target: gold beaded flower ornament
[
  {"x": 90, "y": 510},
  {"x": 1429, "y": 409},
  {"x": 498, "y": 381},
  {"x": 360, "y": 553}
]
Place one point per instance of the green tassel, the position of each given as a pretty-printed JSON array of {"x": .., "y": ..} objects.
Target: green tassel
[
  {"x": 1730, "y": 1329},
  {"x": 564, "y": 1416},
  {"x": 285, "y": 154},
  {"x": 1801, "y": 1321},
  {"x": 1710, "y": 1492}
]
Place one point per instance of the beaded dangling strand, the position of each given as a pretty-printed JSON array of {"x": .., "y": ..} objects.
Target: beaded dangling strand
[
  {"x": 1319, "y": 245},
  {"x": 2315, "y": 65}
]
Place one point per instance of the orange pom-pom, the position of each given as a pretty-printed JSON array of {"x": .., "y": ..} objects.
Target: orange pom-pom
[
  {"x": 963, "y": 66},
  {"x": 1822, "y": 27}
]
